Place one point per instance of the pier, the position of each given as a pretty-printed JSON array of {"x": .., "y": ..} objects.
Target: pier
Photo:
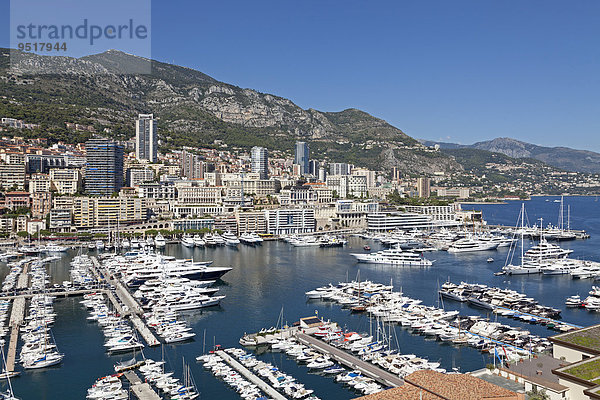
[
  {"x": 141, "y": 390},
  {"x": 16, "y": 318},
  {"x": 537, "y": 317},
  {"x": 384, "y": 377},
  {"x": 267, "y": 389},
  {"x": 126, "y": 304}
]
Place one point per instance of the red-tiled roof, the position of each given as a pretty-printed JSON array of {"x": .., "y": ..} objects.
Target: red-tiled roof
[{"x": 432, "y": 385}]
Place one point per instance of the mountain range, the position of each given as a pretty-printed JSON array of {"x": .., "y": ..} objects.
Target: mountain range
[
  {"x": 195, "y": 109},
  {"x": 563, "y": 158}
]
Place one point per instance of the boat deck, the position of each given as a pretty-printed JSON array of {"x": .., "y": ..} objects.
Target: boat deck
[{"x": 384, "y": 377}]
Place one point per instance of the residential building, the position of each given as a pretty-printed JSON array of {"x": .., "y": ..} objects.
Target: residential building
[
  {"x": 41, "y": 203},
  {"x": 12, "y": 176},
  {"x": 15, "y": 200},
  {"x": 137, "y": 176},
  {"x": 39, "y": 183},
  {"x": 255, "y": 221},
  {"x": 290, "y": 220},
  {"x": 423, "y": 187},
  {"x": 104, "y": 170},
  {"x": 60, "y": 219},
  {"x": 301, "y": 157},
  {"x": 579, "y": 351},
  {"x": 66, "y": 180},
  {"x": 340, "y": 169},
  {"x": 396, "y": 175},
  {"x": 260, "y": 162},
  {"x": 348, "y": 185},
  {"x": 34, "y": 226},
  {"x": 92, "y": 212},
  {"x": 461, "y": 193},
  {"x": 43, "y": 163},
  {"x": 146, "y": 138},
  {"x": 192, "y": 165},
  {"x": 159, "y": 191},
  {"x": 313, "y": 167},
  {"x": 370, "y": 176}
]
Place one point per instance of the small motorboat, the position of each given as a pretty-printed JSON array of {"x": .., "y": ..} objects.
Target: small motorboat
[
  {"x": 490, "y": 260},
  {"x": 367, "y": 247}
]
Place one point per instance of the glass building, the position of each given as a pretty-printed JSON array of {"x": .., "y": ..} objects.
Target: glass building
[{"x": 301, "y": 157}]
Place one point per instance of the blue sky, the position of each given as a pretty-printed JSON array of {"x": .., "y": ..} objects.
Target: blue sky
[{"x": 459, "y": 71}]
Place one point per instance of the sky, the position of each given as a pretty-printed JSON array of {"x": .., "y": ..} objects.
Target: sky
[{"x": 458, "y": 71}]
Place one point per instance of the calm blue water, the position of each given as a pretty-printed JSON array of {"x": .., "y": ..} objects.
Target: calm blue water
[{"x": 276, "y": 275}]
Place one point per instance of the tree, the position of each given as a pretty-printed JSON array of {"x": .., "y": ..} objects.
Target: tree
[
  {"x": 22, "y": 234},
  {"x": 536, "y": 394}
]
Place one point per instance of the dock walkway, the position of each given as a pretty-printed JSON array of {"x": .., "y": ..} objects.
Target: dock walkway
[
  {"x": 141, "y": 390},
  {"x": 554, "y": 321},
  {"x": 384, "y": 377},
  {"x": 267, "y": 389},
  {"x": 16, "y": 318},
  {"x": 126, "y": 305}
]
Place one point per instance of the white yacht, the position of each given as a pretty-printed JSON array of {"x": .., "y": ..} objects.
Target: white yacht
[
  {"x": 125, "y": 244},
  {"x": 187, "y": 241},
  {"x": 54, "y": 248},
  {"x": 306, "y": 241},
  {"x": 159, "y": 241},
  {"x": 230, "y": 239},
  {"x": 545, "y": 251},
  {"x": 218, "y": 239},
  {"x": 562, "y": 266},
  {"x": 250, "y": 238},
  {"x": 198, "y": 241},
  {"x": 393, "y": 257},
  {"x": 471, "y": 244},
  {"x": 99, "y": 245}
]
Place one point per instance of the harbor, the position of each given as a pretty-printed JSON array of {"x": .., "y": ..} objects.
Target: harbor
[{"x": 267, "y": 276}]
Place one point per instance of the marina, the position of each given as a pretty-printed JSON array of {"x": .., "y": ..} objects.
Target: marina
[{"x": 265, "y": 277}]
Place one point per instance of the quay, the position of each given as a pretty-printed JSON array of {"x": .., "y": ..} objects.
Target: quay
[
  {"x": 267, "y": 389},
  {"x": 126, "y": 304},
  {"x": 141, "y": 390},
  {"x": 16, "y": 318},
  {"x": 384, "y": 377}
]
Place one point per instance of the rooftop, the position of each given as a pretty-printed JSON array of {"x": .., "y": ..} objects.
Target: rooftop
[
  {"x": 585, "y": 339},
  {"x": 588, "y": 370},
  {"x": 432, "y": 385}
]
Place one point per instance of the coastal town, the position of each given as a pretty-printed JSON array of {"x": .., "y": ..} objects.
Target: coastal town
[{"x": 96, "y": 187}]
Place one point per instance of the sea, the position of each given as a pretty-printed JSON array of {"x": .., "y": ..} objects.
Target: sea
[{"x": 270, "y": 280}]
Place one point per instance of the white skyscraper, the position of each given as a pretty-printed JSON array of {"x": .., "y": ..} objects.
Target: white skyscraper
[
  {"x": 260, "y": 162},
  {"x": 146, "y": 138}
]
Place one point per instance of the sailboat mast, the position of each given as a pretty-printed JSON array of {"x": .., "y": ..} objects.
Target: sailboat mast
[{"x": 522, "y": 230}]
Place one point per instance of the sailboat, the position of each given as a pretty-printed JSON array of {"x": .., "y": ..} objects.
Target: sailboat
[{"x": 526, "y": 267}]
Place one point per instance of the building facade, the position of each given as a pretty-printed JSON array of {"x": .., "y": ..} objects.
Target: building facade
[
  {"x": 260, "y": 162},
  {"x": 146, "y": 138},
  {"x": 290, "y": 220},
  {"x": 104, "y": 169},
  {"x": 301, "y": 157}
]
